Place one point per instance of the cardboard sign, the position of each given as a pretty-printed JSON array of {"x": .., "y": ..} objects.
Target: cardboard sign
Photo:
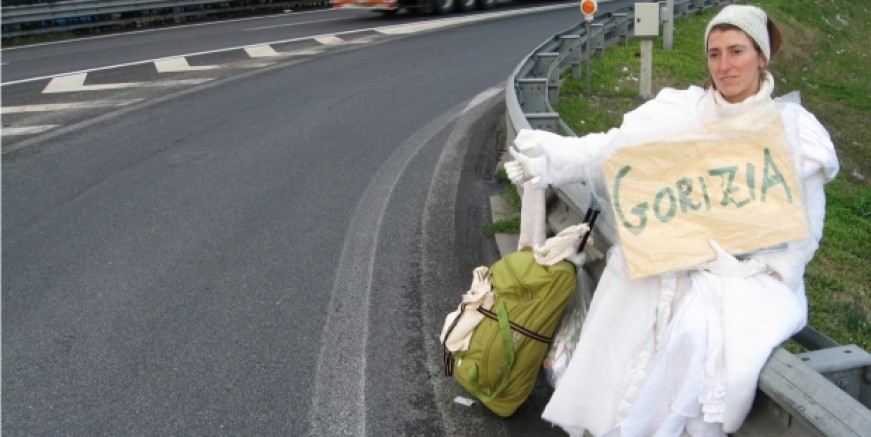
[{"x": 730, "y": 180}]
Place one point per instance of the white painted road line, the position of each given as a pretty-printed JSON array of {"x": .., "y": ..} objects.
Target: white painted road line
[
  {"x": 329, "y": 40},
  {"x": 66, "y": 106},
  {"x": 262, "y": 51},
  {"x": 303, "y": 52},
  {"x": 176, "y": 65},
  {"x": 27, "y": 130},
  {"x": 405, "y": 29},
  {"x": 76, "y": 82},
  {"x": 266, "y": 51}
]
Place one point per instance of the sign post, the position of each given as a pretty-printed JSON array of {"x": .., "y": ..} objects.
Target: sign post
[
  {"x": 588, "y": 8},
  {"x": 668, "y": 31},
  {"x": 646, "y": 28}
]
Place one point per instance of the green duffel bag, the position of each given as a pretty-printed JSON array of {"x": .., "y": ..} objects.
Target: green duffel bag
[{"x": 508, "y": 346}]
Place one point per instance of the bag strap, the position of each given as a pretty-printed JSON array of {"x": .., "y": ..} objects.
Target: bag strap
[
  {"x": 508, "y": 349},
  {"x": 448, "y": 355},
  {"x": 590, "y": 220},
  {"x": 531, "y": 334}
]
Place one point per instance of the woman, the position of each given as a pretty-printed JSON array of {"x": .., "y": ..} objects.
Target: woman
[{"x": 680, "y": 352}]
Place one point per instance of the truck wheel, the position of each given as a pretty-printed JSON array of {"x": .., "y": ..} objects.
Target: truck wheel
[
  {"x": 485, "y": 4},
  {"x": 466, "y": 5},
  {"x": 441, "y": 7}
]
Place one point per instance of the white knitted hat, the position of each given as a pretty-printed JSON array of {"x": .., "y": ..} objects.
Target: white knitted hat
[{"x": 752, "y": 20}]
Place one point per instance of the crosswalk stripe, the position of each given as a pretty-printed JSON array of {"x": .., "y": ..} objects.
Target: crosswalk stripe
[
  {"x": 27, "y": 130},
  {"x": 49, "y": 107}
]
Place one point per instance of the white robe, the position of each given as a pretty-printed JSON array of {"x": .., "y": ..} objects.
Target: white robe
[{"x": 681, "y": 353}]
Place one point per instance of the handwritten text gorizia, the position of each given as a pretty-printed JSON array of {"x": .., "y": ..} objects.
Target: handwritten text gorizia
[
  {"x": 729, "y": 178},
  {"x": 734, "y": 186}
]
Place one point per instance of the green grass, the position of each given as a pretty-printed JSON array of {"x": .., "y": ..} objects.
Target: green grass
[
  {"x": 512, "y": 197},
  {"x": 38, "y": 39},
  {"x": 826, "y": 58},
  {"x": 504, "y": 226}
]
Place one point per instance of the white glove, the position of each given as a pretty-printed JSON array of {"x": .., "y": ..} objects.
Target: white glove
[
  {"x": 515, "y": 172},
  {"x": 728, "y": 265},
  {"x": 560, "y": 246},
  {"x": 524, "y": 168},
  {"x": 526, "y": 141}
]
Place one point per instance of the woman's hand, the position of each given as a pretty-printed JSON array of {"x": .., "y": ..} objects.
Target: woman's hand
[
  {"x": 728, "y": 265},
  {"x": 524, "y": 168}
]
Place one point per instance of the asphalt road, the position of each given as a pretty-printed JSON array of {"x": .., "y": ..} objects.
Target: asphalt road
[
  {"x": 113, "y": 49},
  {"x": 109, "y": 50},
  {"x": 266, "y": 253}
]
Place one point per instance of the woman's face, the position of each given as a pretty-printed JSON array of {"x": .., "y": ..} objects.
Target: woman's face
[{"x": 734, "y": 64}]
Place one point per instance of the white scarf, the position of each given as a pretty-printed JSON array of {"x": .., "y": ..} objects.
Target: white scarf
[{"x": 766, "y": 87}]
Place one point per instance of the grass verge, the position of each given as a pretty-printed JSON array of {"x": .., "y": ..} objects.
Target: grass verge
[{"x": 511, "y": 196}]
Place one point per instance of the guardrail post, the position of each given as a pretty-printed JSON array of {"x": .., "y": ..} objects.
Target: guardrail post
[
  {"x": 570, "y": 46},
  {"x": 794, "y": 399},
  {"x": 543, "y": 62},
  {"x": 597, "y": 41},
  {"x": 547, "y": 121},
  {"x": 553, "y": 91},
  {"x": 553, "y": 82},
  {"x": 846, "y": 366},
  {"x": 621, "y": 27},
  {"x": 546, "y": 66},
  {"x": 532, "y": 94},
  {"x": 681, "y": 7}
]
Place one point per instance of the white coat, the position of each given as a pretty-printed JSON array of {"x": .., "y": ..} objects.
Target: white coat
[{"x": 681, "y": 353}]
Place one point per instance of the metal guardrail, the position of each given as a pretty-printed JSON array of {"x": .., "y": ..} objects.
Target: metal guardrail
[
  {"x": 824, "y": 392},
  {"x": 92, "y": 14}
]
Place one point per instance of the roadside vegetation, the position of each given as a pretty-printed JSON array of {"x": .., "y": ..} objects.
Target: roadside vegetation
[
  {"x": 511, "y": 195},
  {"x": 826, "y": 59}
]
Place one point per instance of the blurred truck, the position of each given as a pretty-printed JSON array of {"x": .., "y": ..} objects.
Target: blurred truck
[{"x": 389, "y": 7}]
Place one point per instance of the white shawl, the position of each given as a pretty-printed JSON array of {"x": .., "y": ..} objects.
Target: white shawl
[{"x": 682, "y": 352}]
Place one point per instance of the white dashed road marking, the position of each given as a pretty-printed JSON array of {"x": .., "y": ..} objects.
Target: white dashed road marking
[
  {"x": 264, "y": 51},
  {"x": 27, "y": 130},
  {"x": 176, "y": 65},
  {"x": 329, "y": 40},
  {"x": 76, "y": 82}
]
